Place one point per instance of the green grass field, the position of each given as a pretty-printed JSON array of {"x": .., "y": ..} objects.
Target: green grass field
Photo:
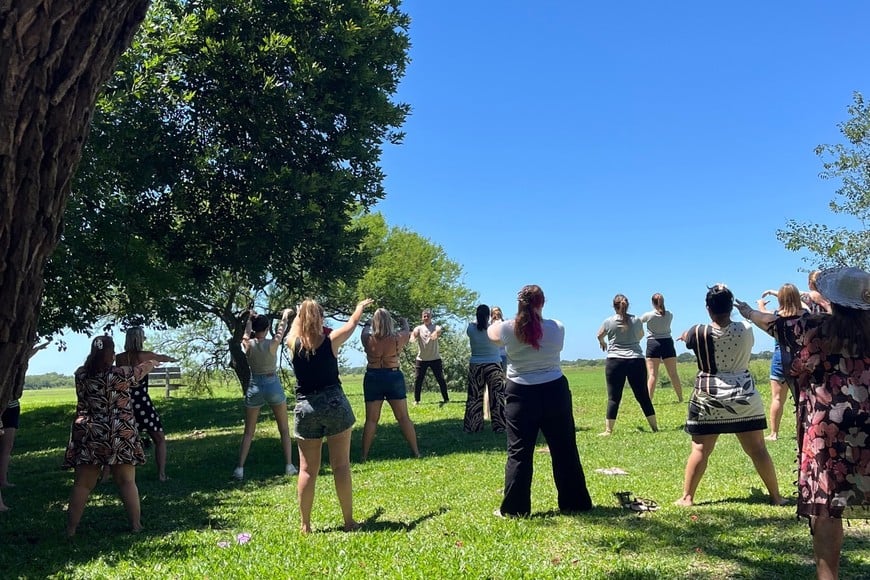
[{"x": 425, "y": 518}]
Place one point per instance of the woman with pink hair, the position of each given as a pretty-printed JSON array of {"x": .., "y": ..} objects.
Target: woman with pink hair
[{"x": 537, "y": 399}]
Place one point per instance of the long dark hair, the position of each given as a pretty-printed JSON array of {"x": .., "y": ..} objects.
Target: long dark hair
[
  {"x": 620, "y": 305},
  {"x": 658, "y": 302},
  {"x": 482, "y": 317},
  {"x": 528, "y": 326},
  {"x": 99, "y": 360}
]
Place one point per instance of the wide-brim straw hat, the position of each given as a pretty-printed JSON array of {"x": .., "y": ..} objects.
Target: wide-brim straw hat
[{"x": 848, "y": 287}]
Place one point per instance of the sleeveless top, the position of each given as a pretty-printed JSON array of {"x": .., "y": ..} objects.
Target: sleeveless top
[
  {"x": 261, "y": 359},
  {"x": 316, "y": 370}
]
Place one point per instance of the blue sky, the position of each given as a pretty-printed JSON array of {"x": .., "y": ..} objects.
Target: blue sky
[{"x": 632, "y": 147}]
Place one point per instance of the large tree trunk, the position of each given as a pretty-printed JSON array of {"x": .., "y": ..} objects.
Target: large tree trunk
[{"x": 54, "y": 57}]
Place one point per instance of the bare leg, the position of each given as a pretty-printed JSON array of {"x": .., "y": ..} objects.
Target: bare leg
[
  {"x": 702, "y": 448},
  {"x": 753, "y": 445},
  {"x": 652, "y": 375},
  {"x": 159, "y": 453},
  {"x": 486, "y": 413},
  {"x": 339, "y": 461},
  {"x": 671, "y": 367},
  {"x": 125, "y": 478},
  {"x": 400, "y": 411},
  {"x": 3, "y": 506},
  {"x": 251, "y": 414},
  {"x": 7, "y": 441},
  {"x": 309, "y": 466},
  {"x": 373, "y": 415},
  {"x": 778, "y": 397},
  {"x": 827, "y": 544},
  {"x": 283, "y": 421},
  {"x": 85, "y": 480}
]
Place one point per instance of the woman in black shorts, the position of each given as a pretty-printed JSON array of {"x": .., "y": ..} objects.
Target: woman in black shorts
[
  {"x": 384, "y": 380},
  {"x": 660, "y": 346},
  {"x": 322, "y": 409}
]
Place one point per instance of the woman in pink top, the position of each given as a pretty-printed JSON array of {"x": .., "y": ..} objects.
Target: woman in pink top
[{"x": 383, "y": 379}]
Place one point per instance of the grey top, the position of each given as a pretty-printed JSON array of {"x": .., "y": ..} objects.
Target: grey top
[
  {"x": 483, "y": 350},
  {"x": 260, "y": 358},
  {"x": 427, "y": 344},
  {"x": 623, "y": 341},
  {"x": 657, "y": 325},
  {"x": 527, "y": 366}
]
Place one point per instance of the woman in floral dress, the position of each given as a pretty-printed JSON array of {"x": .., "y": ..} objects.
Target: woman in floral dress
[
  {"x": 831, "y": 364},
  {"x": 104, "y": 431}
]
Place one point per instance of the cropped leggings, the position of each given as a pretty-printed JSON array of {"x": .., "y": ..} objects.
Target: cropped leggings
[{"x": 616, "y": 371}]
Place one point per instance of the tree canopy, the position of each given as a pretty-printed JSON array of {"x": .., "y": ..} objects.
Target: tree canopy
[
  {"x": 850, "y": 163},
  {"x": 236, "y": 140}
]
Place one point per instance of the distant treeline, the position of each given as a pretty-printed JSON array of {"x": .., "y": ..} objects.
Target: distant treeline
[
  {"x": 48, "y": 381},
  {"x": 686, "y": 357},
  {"x": 53, "y": 380}
]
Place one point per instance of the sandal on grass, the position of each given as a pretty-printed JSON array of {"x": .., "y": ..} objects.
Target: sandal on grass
[
  {"x": 635, "y": 504},
  {"x": 643, "y": 505}
]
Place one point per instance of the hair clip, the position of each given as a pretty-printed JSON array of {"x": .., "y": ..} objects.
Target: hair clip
[{"x": 99, "y": 344}]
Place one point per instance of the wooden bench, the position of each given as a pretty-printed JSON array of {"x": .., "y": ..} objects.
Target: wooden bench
[{"x": 166, "y": 377}]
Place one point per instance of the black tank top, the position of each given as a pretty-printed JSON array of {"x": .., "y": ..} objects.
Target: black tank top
[{"x": 314, "y": 370}]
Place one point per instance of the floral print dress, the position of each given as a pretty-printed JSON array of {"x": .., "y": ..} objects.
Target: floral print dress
[
  {"x": 833, "y": 424},
  {"x": 104, "y": 431}
]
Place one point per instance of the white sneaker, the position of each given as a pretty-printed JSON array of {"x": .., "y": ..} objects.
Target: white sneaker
[
  {"x": 290, "y": 469},
  {"x": 239, "y": 473}
]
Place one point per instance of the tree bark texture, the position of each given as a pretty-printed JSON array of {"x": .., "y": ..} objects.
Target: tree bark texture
[{"x": 55, "y": 56}]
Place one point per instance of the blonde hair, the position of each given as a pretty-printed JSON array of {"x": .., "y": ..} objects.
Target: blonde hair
[
  {"x": 811, "y": 280},
  {"x": 789, "y": 299},
  {"x": 310, "y": 317},
  {"x": 135, "y": 341},
  {"x": 382, "y": 323}
]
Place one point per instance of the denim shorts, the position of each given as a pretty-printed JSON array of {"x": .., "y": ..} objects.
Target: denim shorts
[
  {"x": 776, "y": 371},
  {"x": 265, "y": 389},
  {"x": 322, "y": 414},
  {"x": 384, "y": 384}
]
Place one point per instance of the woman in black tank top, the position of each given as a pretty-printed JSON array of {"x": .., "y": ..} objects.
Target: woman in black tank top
[{"x": 322, "y": 409}]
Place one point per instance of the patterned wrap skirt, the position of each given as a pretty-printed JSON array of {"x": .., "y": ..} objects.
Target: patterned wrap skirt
[{"x": 725, "y": 403}]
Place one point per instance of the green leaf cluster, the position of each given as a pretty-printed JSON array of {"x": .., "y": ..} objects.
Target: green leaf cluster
[
  {"x": 236, "y": 139},
  {"x": 849, "y": 163}
]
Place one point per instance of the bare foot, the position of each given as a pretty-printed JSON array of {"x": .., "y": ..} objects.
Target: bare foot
[
  {"x": 352, "y": 526},
  {"x": 137, "y": 529},
  {"x": 605, "y": 434},
  {"x": 685, "y": 501},
  {"x": 772, "y": 437},
  {"x": 779, "y": 502},
  {"x": 7, "y": 484},
  {"x": 306, "y": 529},
  {"x": 4, "y": 507},
  {"x": 163, "y": 477}
]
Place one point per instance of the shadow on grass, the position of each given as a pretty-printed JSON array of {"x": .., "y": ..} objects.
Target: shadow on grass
[{"x": 373, "y": 523}]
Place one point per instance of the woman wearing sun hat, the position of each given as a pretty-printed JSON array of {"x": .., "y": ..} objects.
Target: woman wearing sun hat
[{"x": 831, "y": 364}]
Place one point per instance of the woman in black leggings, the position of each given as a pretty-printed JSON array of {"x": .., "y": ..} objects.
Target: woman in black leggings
[{"x": 625, "y": 360}]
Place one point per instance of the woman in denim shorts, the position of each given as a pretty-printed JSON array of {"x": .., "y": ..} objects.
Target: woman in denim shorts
[
  {"x": 790, "y": 306},
  {"x": 322, "y": 410},
  {"x": 384, "y": 380},
  {"x": 265, "y": 387}
]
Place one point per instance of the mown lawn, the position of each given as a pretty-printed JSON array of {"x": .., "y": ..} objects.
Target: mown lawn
[{"x": 424, "y": 518}]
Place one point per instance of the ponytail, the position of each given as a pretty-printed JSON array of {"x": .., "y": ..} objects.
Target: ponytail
[{"x": 528, "y": 326}]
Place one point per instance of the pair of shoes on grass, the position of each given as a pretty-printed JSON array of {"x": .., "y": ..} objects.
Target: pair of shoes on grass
[{"x": 635, "y": 504}]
